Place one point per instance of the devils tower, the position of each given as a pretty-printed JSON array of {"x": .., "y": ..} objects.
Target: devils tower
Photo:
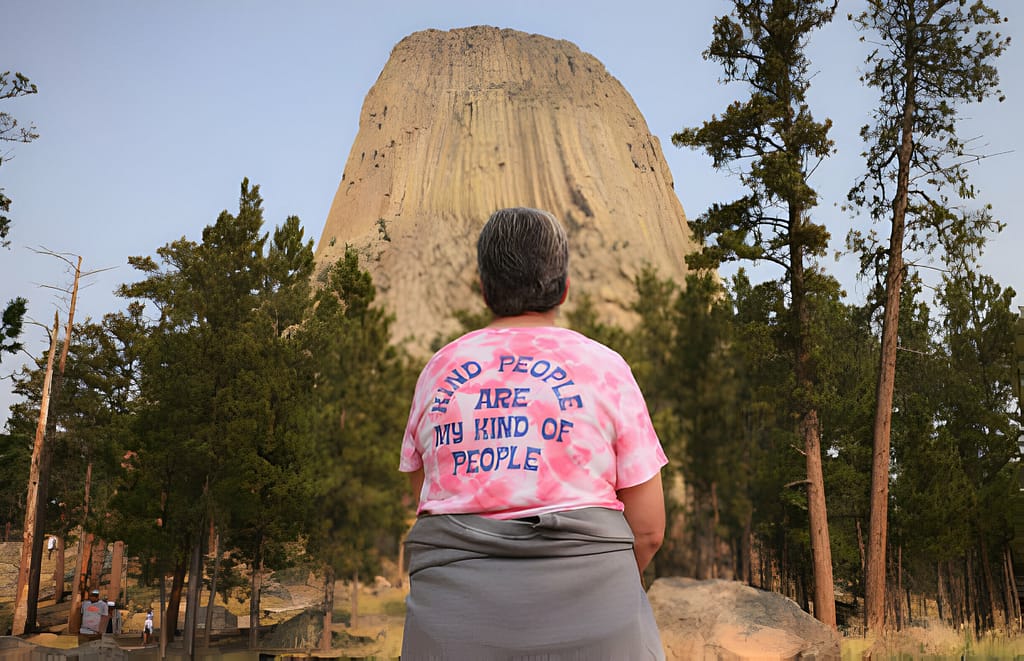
[{"x": 466, "y": 121}]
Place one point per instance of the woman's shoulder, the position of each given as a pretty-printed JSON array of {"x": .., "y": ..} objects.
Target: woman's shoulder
[{"x": 539, "y": 340}]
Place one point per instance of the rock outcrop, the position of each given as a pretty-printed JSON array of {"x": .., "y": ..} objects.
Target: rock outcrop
[
  {"x": 728, "y": 620},
  {"x": 466, "y": 121}
]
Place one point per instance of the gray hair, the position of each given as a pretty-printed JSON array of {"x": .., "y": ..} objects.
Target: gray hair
[{"x": 523, "y": 259}]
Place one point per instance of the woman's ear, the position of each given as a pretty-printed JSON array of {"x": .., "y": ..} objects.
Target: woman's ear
[{"x": 565, "y": 294}]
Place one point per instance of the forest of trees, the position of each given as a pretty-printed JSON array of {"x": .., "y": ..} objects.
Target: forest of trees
[{"x": 246, "y": 399}]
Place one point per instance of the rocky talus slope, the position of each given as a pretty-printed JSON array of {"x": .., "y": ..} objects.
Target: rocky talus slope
[{"x": 466, "y": 121}]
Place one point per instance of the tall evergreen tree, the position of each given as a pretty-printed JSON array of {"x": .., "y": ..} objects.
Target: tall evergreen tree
[
  {"x": 931, "y": 58},
  {"x": 217, "y": 431},
  {"x": 355, "y": 413},
  {"x": 763, "y": 45}
]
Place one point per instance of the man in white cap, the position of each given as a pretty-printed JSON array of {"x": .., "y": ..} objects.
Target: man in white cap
[{"x": 94, "y": 616}]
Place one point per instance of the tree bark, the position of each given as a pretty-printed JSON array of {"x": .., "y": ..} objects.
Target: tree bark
[
  {"x": 941, "y": 594},
  {"x": 972, "y": 591},
  {"x": 1013, "y": 600},
  {"x": 354, "y": 597},
  {"x": 746, "y": 551},
  {"x": 78, "y": 585},
  {"x": 163, "y": 616},
  {"x": 195, "y": 585},
  {"x": 878, "y": 528},
  {"x": 99, "y": 554},
  {"x": 116, "y": 569},
  {"x": 254, "y": 598},
  {"x": 58, "y": 570},
  {"x": 25, "y": 603},
  {"x": 326, "y": 636},
  {"x": 960, "y": 595},
  {"x": 213, "y": 588},
  {"x": 992, "y": 594},
  {"x": 715, "y": 569},
  {"x": 810, "y": 429},
  {"x": 170, "y": 619}
]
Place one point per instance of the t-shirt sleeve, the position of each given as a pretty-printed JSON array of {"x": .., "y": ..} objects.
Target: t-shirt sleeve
[
  {"x": 411, "y": 460},
  {"x": 638, "y": 452}
]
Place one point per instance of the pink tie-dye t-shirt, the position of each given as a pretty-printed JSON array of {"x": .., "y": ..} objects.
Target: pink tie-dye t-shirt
[{"x": 515, "y": 422}]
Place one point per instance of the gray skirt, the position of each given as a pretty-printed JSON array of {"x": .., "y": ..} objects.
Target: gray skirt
[{"x": 556, "y": 587}]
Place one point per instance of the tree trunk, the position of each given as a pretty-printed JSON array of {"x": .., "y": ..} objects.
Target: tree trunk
[
  {"x": 58, "y": 569},
  {"x": 715, "y": 570},
  {"x": 746, "y": 552},
  {"x": 49, "y": 424},
  {"x": 326, "y": 635},
  {"x": 170, "y": 618},
  {"x": 821, "y": 551},
  {"x": 354, "y": 596},
  {"x": 163, "y": 616},
  {"x": 991, "y": 593},
  {"x": 254, "y": 598},
  {"x": 79, "y": 585},
  {"x": 941, "y": 597},
  {"x": 975, "y": 599},
  {"x": 213, "y": 588},
  {"x": 1013, "y": 599},
  {"x": 878, "y": 528},
  {"x": 195, "y": 585},
  {"x": 960, "y": 584},
  {"x": 116, "y": 569},
  {"x": 809, "y": 429},
  {"x": 25, "y": 598},
  {"x": 99, "y": 554},
  {"x": 893, "y": 597}
]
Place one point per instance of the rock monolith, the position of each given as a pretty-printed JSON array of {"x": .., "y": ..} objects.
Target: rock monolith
[{"x": 466, "y": 121}]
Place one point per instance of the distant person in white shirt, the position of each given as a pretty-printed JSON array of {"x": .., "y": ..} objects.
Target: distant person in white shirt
[
  {"x": 147, "y": 628},
  {"x": 51, "y": 544}
]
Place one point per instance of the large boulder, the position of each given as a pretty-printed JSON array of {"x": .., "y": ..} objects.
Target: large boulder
[{"x": 727, "y": 620}]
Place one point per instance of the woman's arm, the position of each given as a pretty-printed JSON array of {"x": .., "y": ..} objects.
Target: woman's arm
[
  {"x": 645, "y": 514},
  {"x": 416, "y": 481}
]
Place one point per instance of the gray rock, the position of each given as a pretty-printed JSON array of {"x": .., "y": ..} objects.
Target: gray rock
[{"x": 727, "y": 620}]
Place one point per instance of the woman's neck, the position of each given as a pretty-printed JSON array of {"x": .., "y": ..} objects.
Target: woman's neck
[{"x": 527, "y": 319}]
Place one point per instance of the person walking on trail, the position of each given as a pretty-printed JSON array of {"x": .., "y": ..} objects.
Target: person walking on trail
[
  {"x": 538, "y": 476},
  {"x": 147, "y": 628},
  {"x": 51, "y": 544}
]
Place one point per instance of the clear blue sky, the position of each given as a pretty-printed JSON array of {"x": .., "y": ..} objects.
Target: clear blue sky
[{"x": 151, "y": 113}]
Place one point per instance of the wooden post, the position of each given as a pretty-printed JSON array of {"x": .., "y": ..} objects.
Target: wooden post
[
  {"x": 20, "y": 624},
  {"x": 116, "y": 562}
]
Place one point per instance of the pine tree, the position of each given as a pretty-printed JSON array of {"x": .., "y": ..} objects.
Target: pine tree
[
  {"x": 932, "y": 56},
  {"x": 218, "y": 430},
  {"x": 356, "y": 411},
  {"x": 762, "y": 44}
]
